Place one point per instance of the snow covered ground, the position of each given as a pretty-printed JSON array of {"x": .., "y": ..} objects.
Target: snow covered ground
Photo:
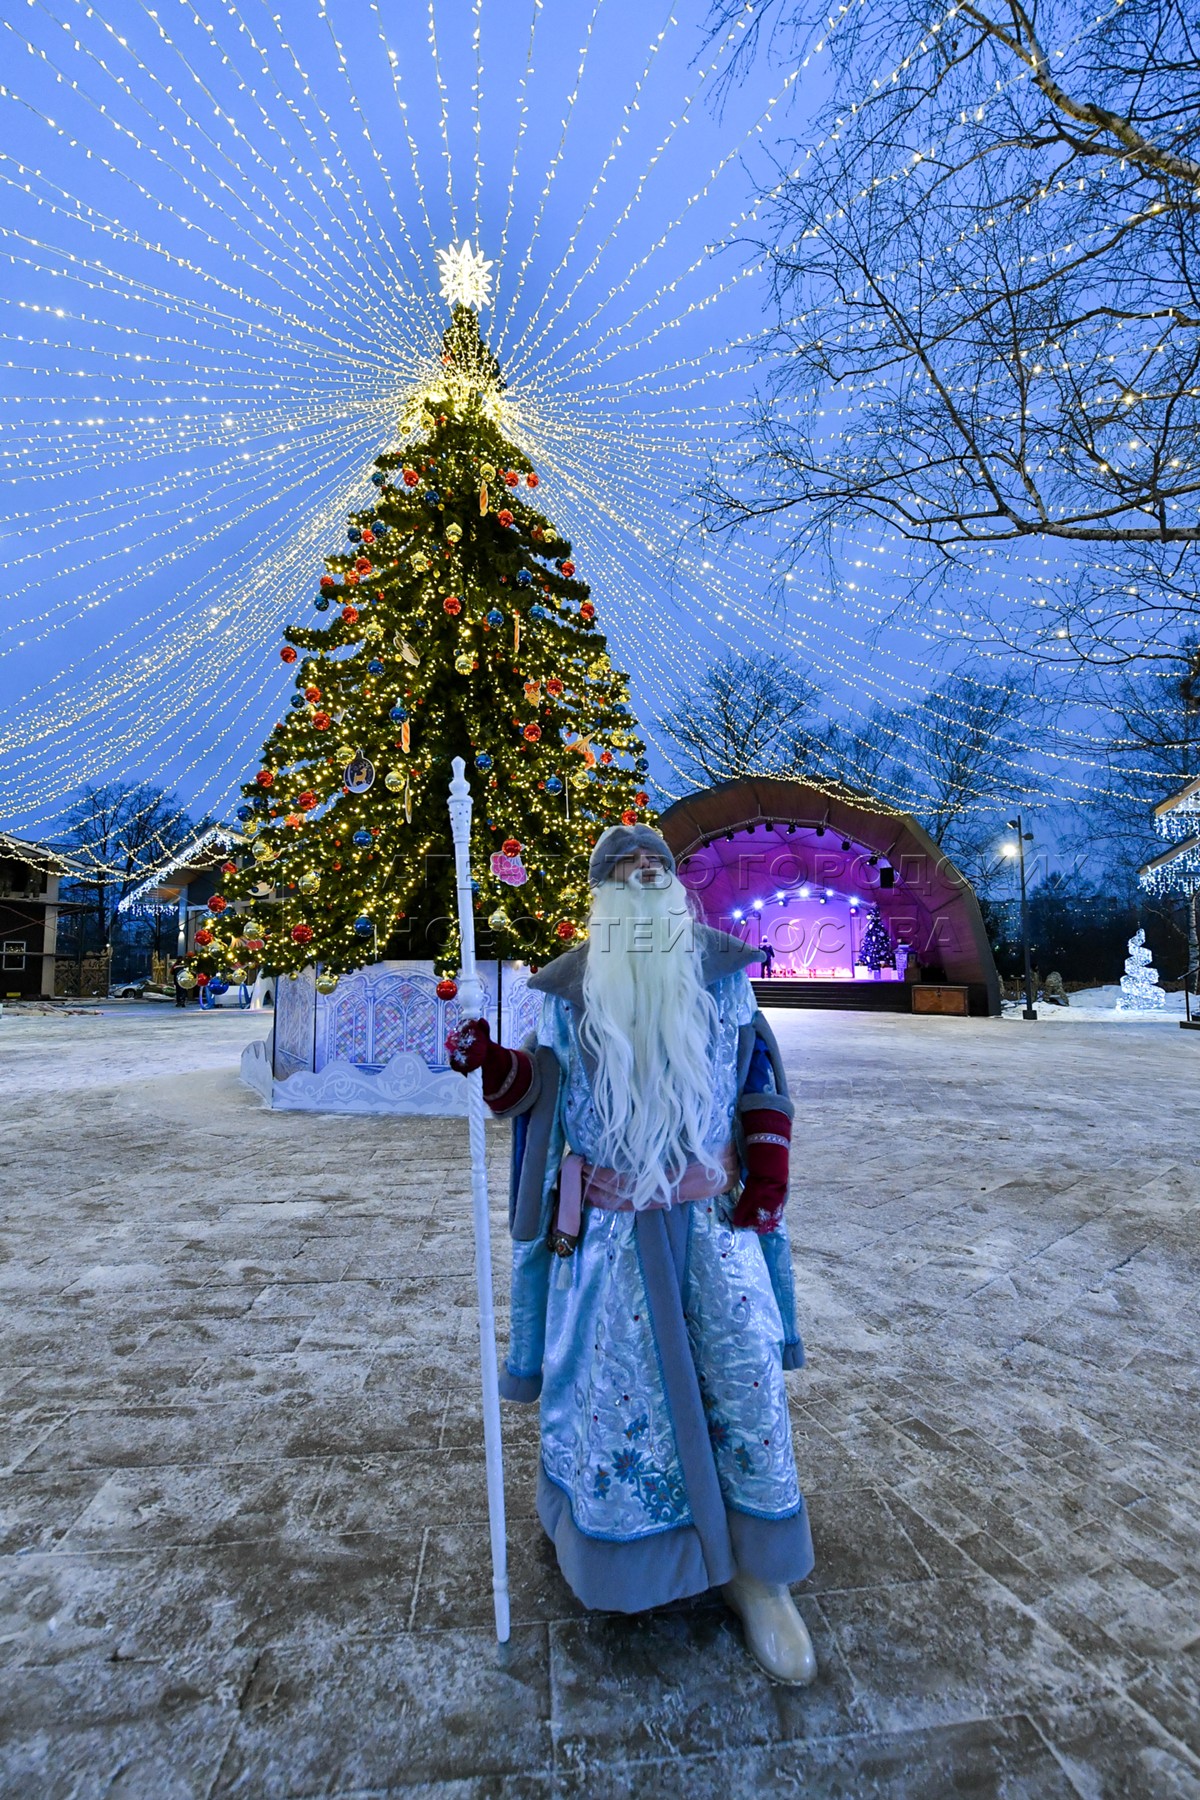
[
  {"x": 1100, "y": 1003},
  {"x": 243, "y": 1544}
]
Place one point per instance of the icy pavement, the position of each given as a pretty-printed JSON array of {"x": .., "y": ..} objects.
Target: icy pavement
[{"x": 241, "y": 1485}]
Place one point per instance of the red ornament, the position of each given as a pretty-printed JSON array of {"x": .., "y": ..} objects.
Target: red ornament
[
  {"x": 452, "y": 605},
  {"x": 532, "y": 734},
  {"x": 363, "y": 565},
  {"x": 411, "y": 478},
  {"x": 307, "y": 800},
  {"x": 568, "y": 568},
  {"x": 312, "y": 694},
  {"x": 447, "y": 989},
  {"x": 203, "y": 938},
  {"x": 629, "y": 818},
  {"x": 511, "y": 846},
  {"x": 368, "y": 536},
  {"x": 504, "y": 516},
  {"x": 217, "y": 904},
  {"x": 642, "y": 799},
  {"x": 302, "y": 934},
  {"x": 287, "y": 654},
  {"x": 321, "y": 721},
  {"x": 229, "y": 868},
  {"x": 350, "y": 614},
  {"x": 531, "y": 479},
  {"x": 327, "y": 582},
  {"x": 295, "y": 820},
  {"x": 264, "y": 778},
  {"x": 554, "y": 686},
  {"x": 564, "y": 930},
  {"x": 201, "y": 979},
  {"x": 606, "y": 756},
  {"x": 587, "y": 612},
  {"x": 511, "y": 478}
]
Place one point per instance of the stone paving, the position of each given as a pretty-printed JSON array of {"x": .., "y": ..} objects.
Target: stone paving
[{"x": 243, "y": 1547}]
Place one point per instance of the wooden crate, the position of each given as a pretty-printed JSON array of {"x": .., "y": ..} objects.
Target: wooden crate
[{"x": 927, "y": 998}]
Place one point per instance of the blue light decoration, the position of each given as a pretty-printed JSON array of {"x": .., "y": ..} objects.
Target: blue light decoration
[{"x": 363, "y": 925}]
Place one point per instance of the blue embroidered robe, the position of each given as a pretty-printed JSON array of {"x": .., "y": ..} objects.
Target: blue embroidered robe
[{"x": 657, "y": 1350}]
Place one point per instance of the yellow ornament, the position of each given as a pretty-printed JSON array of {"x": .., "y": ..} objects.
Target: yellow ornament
[
  {"x": 464, "y": 663},
  {"x": 326, "y": 983},
  {"x": 251, "y": 928},
  {"x": 498, "y": 920},
  {"x": 237, "y": 976},
  {"x": 265, "y": 852},
  {"x": 488, "y": 471},
  {"x": 251, "y": 828},
  {"x": 309, "y": 882},
  {"x": 344, "y": 752},
  {"x": 186, "y": 979},
  {"x": 393, "y": 781},
  {"x": 453, "y": 533}
]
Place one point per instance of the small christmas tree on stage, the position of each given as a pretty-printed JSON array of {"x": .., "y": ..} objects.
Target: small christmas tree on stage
[
  {"x": 1140, "y": 991},
  {"x": 877, "y": 950},
  {"x": 457, "y": 626}
]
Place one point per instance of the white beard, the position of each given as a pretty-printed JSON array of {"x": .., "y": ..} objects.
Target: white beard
[{"x": 650, "y": 1024}]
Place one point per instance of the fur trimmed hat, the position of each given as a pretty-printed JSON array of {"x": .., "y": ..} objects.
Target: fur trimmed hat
[{"x": 620, "y": 841}]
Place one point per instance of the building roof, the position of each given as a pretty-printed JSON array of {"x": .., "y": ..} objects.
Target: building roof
[
  {"x": 196, "y": 857},
  {"x": 36, "y": 855}
]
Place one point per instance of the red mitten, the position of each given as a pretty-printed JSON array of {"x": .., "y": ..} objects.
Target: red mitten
[
  {"x": 768, "y": 1143},
  {"x": 507, "y": 1074}
]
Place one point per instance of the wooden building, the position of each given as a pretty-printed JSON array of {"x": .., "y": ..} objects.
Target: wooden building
[{"x": 29, "y": 910}]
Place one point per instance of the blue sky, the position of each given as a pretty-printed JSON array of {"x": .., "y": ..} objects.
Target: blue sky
[{"x": 219, "y": 223}]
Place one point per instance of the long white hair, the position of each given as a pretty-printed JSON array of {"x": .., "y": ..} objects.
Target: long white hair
[{"x": 650, "y": 1025}]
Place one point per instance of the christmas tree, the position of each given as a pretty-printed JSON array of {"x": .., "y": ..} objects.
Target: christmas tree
[
  {"x": 877, "y": 950},
  {"x": 1140, "y": 991},
  {"x": 457, "y": 626}
]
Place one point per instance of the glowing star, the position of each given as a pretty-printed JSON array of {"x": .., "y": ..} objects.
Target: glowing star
[{"x": 465, "y": 275}]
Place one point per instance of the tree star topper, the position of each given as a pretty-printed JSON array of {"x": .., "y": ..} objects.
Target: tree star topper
[{"x": 466, "y": 276}]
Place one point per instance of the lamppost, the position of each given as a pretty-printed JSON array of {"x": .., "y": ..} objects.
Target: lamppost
[{"x": 1018, "y": 850}]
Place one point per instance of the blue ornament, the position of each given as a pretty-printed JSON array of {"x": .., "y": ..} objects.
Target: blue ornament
[
  {"x": 418, "y": 624},
  {"x": 378, "y": 478},
  {"x": 297, "y": 700},
  {"x": 495, "y": 617},
  {"x": 245, "y": 812},
  {"x": 374, "y": 667},
  {"x": 553, "y": 785},
  {"x": 322, "y": 602},
  {"x": 537, "y": 612},
  {"x": 363, "y": 926},
  {"x": 620, "y": 707},
  {"x": 524, "y": 578},
  {"x": 379, "y": 528},
  {"x": 354, "y": 534},
  {"x": 217, "y": 986},
  {"x": 399, "y": 713},
  {"x": 433, "y": 498},
  {"x": 641, "y": 766},
  {"x": 483, "y": 761},
  {"x": 363, "y": 838}
]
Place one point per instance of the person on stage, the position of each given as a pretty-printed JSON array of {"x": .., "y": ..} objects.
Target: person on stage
[{"x": 653, "y": 1312}]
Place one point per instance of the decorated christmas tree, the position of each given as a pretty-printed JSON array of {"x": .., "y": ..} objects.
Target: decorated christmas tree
[
  {"x": 456, "y": 625},
  {"x": 1140, "y": 991},
  {"x": 877, "y": 950}
]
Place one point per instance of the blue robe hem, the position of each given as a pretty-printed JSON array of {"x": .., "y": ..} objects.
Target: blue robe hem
[
  {"x": 793, "y": 1355},
  {"x": 634, "y": 1574}
]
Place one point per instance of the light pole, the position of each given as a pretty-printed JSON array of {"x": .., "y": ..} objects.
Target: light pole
[{"x": 1024, "y": 837}]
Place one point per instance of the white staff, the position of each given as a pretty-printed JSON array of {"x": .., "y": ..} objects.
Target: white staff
[{"x": 471, "y": 999}]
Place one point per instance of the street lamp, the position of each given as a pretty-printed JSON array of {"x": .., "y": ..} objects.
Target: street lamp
[{"x": 1023, "y": 837}]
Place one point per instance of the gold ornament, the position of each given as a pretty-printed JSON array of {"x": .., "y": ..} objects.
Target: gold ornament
[
  {"x": 251, "y": 828},
  {"x": 393, "y": 781},
  {"x": 309, "y": 882},
  {"x": 374, "y": 632},
  {"x": 326, "y": 982},
  {"x": 265, "y": 852},
  {"x": 344, "y": 753},
  {"x": 464, "y": 663},
  {"x": 420, "y": 561},
  {"x": 186, "y": 979},
  {"x": 499, "y": 919},
  {"x": 488, "y": 471},
  {"x": 453, "y": 533}
]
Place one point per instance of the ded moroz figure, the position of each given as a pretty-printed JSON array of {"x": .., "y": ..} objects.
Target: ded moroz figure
[{"x": 653, "y": 1312}]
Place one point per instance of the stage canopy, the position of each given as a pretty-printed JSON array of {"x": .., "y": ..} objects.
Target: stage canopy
[{"x": 801, "y": 869}]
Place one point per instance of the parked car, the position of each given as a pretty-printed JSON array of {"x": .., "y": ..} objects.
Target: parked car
[{"x": 127, "y": 990}]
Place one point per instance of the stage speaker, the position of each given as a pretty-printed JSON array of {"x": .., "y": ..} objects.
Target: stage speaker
[{"x": 887, "y": 878}]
